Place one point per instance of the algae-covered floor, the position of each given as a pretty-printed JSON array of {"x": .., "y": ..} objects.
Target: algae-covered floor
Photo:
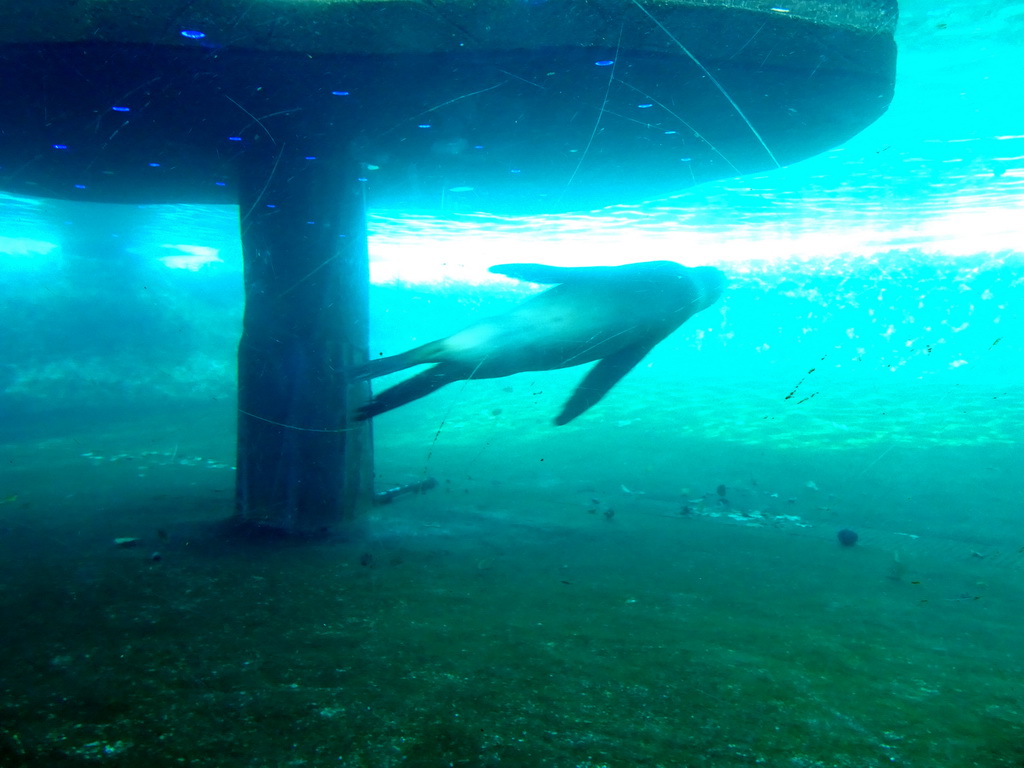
[{"x": 497, "y": 620}]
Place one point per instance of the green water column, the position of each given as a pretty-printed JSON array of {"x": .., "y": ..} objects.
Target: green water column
[
  {"x": 303, "y": 465},
  {"x": 507, "y": 107}
]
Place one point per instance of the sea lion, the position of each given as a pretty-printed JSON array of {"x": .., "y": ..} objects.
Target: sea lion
[{"x": 612, "y": 314}]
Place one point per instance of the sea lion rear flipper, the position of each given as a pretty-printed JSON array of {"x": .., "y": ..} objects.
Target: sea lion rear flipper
[
  {"x": 601, "y": 378},
  {"x": 382, "y": 366},
  {"x": 411, "y": 389}
]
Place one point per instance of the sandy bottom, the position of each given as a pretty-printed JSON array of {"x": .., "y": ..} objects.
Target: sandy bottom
[{"x": 516, "y": 615}]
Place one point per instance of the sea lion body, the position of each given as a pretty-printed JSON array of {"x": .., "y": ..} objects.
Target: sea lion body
[{"x": 612, "y": 314}]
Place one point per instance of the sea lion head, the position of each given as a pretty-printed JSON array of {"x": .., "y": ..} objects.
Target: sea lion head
[{"x": 709, "y": 283}]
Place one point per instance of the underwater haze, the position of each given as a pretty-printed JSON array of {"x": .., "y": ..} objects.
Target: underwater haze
[{"x": 792, "y": 536}]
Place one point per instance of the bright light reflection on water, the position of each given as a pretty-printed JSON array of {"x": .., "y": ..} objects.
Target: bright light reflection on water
[{"x": 881, "y": 193}]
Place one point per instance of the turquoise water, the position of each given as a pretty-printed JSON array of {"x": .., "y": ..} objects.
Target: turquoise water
[{"x": 658, "y": 583}]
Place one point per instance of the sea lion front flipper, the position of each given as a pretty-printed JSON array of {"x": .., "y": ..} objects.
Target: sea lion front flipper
[
  {"x": 545, "y": 274},
  {"x": 534, "y": 273},
  {"x": 601, "y": 378}
]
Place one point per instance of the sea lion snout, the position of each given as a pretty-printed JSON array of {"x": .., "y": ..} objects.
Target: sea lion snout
[{"x": 710, "y": 282}]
